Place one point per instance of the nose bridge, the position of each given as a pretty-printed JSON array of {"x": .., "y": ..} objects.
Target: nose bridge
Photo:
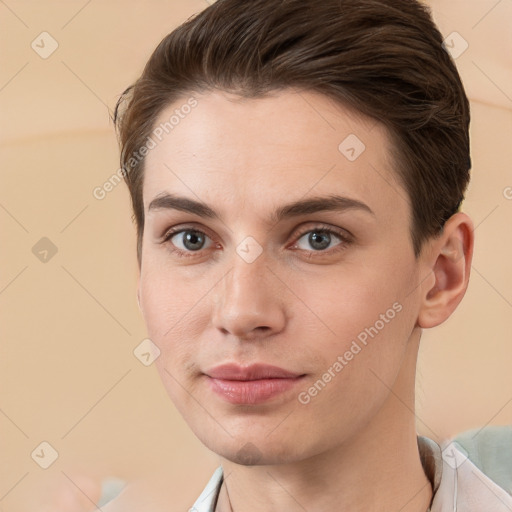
[
  {"x": 248, "y": 297},
  {"x": 246, "y": 286}
]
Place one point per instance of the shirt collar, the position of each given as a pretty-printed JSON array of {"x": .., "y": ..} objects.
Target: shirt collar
[{"x": 445, "y": 484}]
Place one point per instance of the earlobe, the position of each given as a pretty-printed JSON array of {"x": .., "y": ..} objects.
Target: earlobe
[{"x": 451, "y": 266}]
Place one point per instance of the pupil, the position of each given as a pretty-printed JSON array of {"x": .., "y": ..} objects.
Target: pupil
[
  {"x": 193, "y": 240},
  {"x": 316, "y": 242}
]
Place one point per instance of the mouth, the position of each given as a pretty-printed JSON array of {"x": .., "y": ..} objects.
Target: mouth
[{"x": 251, "y": 385}]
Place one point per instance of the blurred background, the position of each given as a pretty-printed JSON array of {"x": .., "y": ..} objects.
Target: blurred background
[{"x": 69, "y": 320}]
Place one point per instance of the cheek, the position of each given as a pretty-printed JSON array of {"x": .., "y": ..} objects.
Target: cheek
[
  {"x": 170, "y": 300},
  {"x": 346, "y": 302},
  {"x": 171, "y": 316},
  {"x": 363, "y": 321},
  {"x": 358, "y": 366}
]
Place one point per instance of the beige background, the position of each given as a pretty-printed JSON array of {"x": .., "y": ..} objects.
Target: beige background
[{"x": 69, "y": 325}]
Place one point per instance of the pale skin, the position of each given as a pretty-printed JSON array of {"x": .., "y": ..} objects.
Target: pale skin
[
  {"x": 353, "y": 447},
  {"x": 479, "y": 90}
]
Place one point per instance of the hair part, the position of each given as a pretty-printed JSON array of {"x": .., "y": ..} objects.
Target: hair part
[{"x": 384, "y": 59}]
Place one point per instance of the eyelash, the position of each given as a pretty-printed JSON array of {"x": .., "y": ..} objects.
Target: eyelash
[{"x": 345, "y": 241}]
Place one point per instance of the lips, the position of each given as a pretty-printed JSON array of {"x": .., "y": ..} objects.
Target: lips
[
  {"x": 254, "y": 372},
  {"x": 250, "y": 385}
]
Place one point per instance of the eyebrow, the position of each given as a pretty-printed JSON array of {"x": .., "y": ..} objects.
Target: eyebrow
[{"x": 301, "y": 207}]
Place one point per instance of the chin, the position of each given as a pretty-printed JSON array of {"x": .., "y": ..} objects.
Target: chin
[{"x": 254, "y": 450}]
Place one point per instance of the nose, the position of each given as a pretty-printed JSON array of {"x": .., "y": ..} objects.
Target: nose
[{"x": 249, "y": 301}]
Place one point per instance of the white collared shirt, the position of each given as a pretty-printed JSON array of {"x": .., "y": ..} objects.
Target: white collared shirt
[{"x": 455, "y": 469}]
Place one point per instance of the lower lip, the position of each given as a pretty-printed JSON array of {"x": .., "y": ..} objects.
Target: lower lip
[{"x": 250, "y": 392}]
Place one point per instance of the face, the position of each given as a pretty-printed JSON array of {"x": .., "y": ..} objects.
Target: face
[{"x": 276, "y": 233}]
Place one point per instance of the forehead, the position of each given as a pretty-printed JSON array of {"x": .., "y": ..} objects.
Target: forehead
[{"x": 254, "y": 151}]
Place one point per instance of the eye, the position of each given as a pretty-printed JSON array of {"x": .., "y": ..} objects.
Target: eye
[
  {"x": 321, "y": 239},
  {"x": 188, "y": 240}
]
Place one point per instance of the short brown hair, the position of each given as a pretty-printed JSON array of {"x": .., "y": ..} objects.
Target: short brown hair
[{"x": 384, "y": 58}]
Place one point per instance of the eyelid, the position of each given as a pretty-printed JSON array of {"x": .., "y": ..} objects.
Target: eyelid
[
  {"x": 168, "y": 233},
  {"x": 319, "y": 226},
  {"x": 299, "y": 232}
]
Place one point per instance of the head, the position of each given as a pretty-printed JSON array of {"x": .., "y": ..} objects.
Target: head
[{"x": 296, "y": 171}]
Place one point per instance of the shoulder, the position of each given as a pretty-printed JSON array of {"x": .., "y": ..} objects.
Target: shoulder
[
  {"x": 165, "y": 490},
  {"x": 110, "y": 489},
  {"x": 490, "y": 450}
]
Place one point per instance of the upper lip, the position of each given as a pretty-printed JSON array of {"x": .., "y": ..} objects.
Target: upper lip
[{"x": 233, "y": 371}]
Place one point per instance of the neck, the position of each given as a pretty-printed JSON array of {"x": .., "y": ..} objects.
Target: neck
[{"x": 378, "y": 469}]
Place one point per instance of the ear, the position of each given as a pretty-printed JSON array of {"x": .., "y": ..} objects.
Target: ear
[{"x": 449, "y": 261}]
